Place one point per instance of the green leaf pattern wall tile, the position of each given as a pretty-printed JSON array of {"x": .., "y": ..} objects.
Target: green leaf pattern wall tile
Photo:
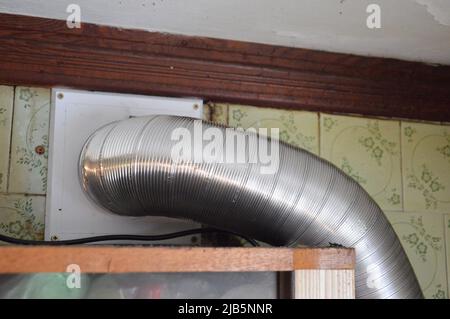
[
  {"x": 22, "y": 216},
  {"x": 218, "y": 113},
  {"x": 6, "y": 108},
  {"x": 369, "y": 152},
  {"x": 426, "y": 165},
  {"x": 206, "y": 116},
  {"x": 29, "y": 150},
  {"x": 447, "y": 246},
  {"x": 296, "y": 127},
  {"x": 422, "y": 236}
]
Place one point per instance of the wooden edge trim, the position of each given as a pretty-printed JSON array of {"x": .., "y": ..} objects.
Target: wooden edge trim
[
  {"x": 107, "y": 259},
  {"x": 324, "y": 258}
]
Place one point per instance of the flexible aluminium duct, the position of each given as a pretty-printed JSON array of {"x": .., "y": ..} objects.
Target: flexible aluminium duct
[{"x": 127, "y": 168}]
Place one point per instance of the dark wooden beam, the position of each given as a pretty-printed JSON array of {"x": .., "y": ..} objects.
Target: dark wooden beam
[{"x": 44, "y": 52}]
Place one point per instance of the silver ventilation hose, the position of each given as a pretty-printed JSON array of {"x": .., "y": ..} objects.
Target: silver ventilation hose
[{"x": 126, "y": 167}]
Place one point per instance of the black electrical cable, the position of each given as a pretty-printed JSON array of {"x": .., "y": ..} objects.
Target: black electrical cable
[{"x": 86, "y": 240}]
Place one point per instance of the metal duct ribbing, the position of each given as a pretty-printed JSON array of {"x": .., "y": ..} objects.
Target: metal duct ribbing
[{"x": 126, "y": 167}]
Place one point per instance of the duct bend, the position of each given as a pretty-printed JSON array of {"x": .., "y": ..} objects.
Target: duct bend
[{"x": 126, "y": 167}]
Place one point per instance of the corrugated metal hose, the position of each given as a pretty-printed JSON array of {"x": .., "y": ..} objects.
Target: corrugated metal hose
[{"x": 127, "y": 168}]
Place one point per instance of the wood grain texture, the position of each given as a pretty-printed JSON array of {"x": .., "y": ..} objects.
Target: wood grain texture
[
  {"x": 108, "y": 259},
  {"x": 44, "y": 52},
  {"x": 324, "y": 284},
  {"x": 324, "y": 258}
]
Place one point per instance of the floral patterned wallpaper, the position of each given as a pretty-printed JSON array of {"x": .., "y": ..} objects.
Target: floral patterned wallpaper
[
  {"x": 369, "y": 152},
  {"x": 427, "y": 167},
  {"x": 24, "y": 120},
  {"x": 423, "y": 237},
  {"x": 22, "y": 216},
  {"x": 404, "y": 166},
  {"x": 6, "y": 108},
  {"x": 29, "y": 149}
]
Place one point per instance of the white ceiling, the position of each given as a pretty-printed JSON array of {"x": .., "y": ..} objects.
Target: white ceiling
[{"x": 411, "y": 29}]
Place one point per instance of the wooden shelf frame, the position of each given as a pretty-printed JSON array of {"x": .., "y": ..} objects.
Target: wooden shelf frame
[
  {"x": 110, "y": 259},
  {"x": 313, "y": 272}
]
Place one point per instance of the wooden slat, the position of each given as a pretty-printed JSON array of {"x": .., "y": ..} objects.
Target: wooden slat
[
  {"x": 44, "y": 52},
  {"x": 334, "y": 258},
  {"x": 107, "y": 259},
  {"x": 324, "y": 284}
]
